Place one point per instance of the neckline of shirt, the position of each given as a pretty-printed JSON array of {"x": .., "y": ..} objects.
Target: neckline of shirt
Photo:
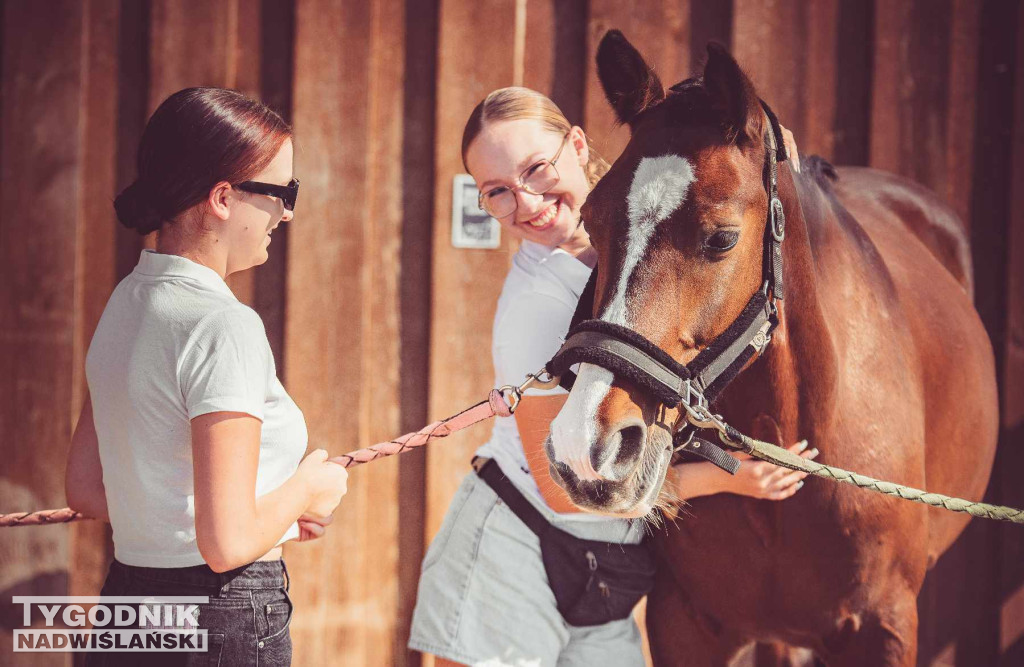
[
  {"x": 153, "y": 264},
  {"x": 537, "y": 252}
]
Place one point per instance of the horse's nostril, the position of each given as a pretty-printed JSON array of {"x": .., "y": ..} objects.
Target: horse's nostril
[
  {"x": 563, "y": 470},
  {"x": 616, "y": 457},
  {"x": 631, "y": 445}
]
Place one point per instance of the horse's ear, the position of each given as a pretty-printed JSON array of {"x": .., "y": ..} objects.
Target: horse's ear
[
  {"x": 733, "y": 95},
  {"x": 629, "y": 83}
]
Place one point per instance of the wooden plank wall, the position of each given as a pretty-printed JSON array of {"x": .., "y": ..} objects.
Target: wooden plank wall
[{"x": 376, "y": 322}]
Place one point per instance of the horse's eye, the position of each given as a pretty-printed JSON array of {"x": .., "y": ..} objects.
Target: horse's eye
[{"x": 722, "y": 241}]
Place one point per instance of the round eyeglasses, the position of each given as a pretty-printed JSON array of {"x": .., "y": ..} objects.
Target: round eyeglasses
[{"x": 536, "y": 179}]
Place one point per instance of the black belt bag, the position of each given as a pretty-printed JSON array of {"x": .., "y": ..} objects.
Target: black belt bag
[{"x": 593, "y": 582}]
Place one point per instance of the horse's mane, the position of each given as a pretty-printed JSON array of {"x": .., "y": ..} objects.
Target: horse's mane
[{"x": 820, "y": 171}]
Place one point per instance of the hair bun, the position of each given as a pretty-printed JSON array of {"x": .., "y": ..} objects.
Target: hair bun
[{"x": 137, "y": 210}]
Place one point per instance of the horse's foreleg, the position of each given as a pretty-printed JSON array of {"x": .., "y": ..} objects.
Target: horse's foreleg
[{"x": 680, "y": 636}]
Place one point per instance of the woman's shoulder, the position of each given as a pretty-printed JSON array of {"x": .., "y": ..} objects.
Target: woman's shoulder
[{"x": 229, "y": 318}]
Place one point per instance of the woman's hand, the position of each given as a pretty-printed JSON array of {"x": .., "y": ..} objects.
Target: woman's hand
[
  {"x": 760, "y": 479},
  {"x": 326, "y": 483},
  {"x": 790, "y": 142},
  {"x": 756, "y": 479},
  {"x": 312, "y": 527}
]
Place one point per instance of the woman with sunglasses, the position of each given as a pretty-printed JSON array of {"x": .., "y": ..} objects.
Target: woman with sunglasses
[
  {"x": 485, "y": 592},
  {"x": 188, "y": 444}
]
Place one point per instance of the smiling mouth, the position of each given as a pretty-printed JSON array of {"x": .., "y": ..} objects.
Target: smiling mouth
[{"x": 545, "y": 218}]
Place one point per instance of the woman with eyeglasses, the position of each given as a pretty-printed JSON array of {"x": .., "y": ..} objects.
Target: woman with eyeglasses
[
  {"x": 188, "y": 443},
  {"x": 489, "y": 593}
]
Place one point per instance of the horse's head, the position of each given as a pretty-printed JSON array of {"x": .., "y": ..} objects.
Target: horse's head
[{"x": 678, "y": 223}]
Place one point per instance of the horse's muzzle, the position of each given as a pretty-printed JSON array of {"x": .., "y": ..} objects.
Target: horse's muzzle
[{"x": 631, "y": 472}]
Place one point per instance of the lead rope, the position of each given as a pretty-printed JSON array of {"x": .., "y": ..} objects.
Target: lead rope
[
  {"x": 781, "y": 457},
  {"x": 702, "y": 419},
  {"x": 495, "y": 405}
]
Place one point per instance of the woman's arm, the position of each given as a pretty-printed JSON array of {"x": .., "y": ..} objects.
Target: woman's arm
[
  {"x": 83, "y": 475},
  {"x": 756, "y": 479},
  {"x": 233, "y": 527}
]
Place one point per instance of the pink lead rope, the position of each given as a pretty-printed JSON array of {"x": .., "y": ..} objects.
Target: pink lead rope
[{"x": 495, "y": 405}]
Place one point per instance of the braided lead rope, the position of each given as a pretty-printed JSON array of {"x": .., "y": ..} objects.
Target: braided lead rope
[
  {"x": 40, "y": 518},
  {"x": 495, "y": 405},
  {"x": 781, "y": 457}
]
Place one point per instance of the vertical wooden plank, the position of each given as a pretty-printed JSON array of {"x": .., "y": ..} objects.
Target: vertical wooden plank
[
  {"x": 963, "y": 77},
  {"x": 417, "y": 192},
  {"x": 323, "y": 338},
  {"x": 911, "y": 94},
  {"x": 381, "y": 375},
  {"x": 342, "y": 330},
  {"x": 964, "y": 614},
  {"x": 888, "y": 95},
  {"x": 555, "y": 58},
  {"x": 193, "y": 43},
  {"x": 466, "y": 282},
  {"x": 1011, "y": 456},
  {"x": 91, "y": 549},
  {"x": 789, "y": 50},
  {"x": 132, "y": 112},
  {"x": 854, "y": 57},
  {"x": 770, "y": 42},
  {"x": 660, "y": 30},
  {"x": 276, "y": 61},
  {"x": 40, "y": 196}
]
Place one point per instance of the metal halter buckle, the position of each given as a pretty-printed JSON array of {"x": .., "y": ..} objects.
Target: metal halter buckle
[
  {"x": 778, "y": 220},
  {"x": 694, "y": 396}
]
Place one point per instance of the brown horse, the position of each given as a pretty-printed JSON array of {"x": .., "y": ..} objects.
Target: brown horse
[{"x": 879, "y": 359}]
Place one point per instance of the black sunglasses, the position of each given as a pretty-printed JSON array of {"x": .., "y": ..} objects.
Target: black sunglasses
[{"x": 286, "y": 193}]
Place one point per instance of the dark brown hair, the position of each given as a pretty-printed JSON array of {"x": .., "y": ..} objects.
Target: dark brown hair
[{"x": 195, "y": 139}]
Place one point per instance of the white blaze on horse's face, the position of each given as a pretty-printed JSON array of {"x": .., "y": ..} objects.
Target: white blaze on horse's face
[
  {"x": 659, "y": 187},
  {"x": 576, "y": 428}
]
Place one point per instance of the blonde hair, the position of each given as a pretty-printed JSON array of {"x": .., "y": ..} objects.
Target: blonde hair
[{"x": 517, "y": 103}]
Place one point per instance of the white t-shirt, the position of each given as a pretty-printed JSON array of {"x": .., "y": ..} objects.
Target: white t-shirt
[
  {"x": 533, "y": 316},
  {"x": 174, "y": 343}
]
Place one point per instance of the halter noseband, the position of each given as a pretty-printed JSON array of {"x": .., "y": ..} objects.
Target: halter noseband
[{"x": 626, "y": 353}]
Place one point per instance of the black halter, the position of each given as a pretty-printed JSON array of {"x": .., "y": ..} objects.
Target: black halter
[{"x": 628, "y": 354}]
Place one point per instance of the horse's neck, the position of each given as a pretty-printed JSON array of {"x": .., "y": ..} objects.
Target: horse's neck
[{"x": 799, "y": 367}]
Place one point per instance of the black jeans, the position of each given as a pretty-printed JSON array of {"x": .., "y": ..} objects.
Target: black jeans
[{"x": 246, "y": 619}]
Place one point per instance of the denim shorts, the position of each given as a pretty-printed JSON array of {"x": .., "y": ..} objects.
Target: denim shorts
[
  {"x": 246, "y": 618},
  {"x": 484, "y": 597}
]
